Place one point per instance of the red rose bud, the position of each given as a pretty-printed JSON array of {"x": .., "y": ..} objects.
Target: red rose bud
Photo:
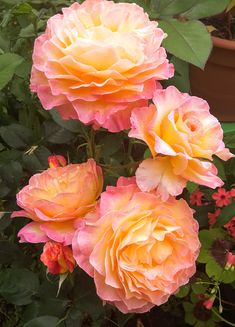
[
  {"x": 58, "y": 258},
  {"x": 56, "y": 161},
  {"x": 208, "y": 304},
  {"x": 201, "y": 297},
  {"x": 230, "y": 261}
]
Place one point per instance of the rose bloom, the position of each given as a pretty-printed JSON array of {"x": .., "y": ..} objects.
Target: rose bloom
[
  {"x": 97, "y": 61},
  {"x": 56, "y": 200},
  {"x": 182, "y": 136},
  {"x": 138, "y": 249},
  {"x": 56, "y": 161},
  {"x": 58, "y": 258}
]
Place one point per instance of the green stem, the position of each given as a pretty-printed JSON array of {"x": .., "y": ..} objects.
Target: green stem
[
  {"x": 91, "y": 144},
  {"x": 221, "y": 318},
  {"x": 129, "y": 165}
]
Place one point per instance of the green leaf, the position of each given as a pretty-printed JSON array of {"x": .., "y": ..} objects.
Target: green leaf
[
  {"x": 123, "y": 318},
  {"x": 191, "y": 187},
  {"x": 11, "y": 173},
  {"x": 205, "y": 8},
  {"x": 229, "y": 134},
  {"x": 8, "y": 252},
  {"x": 181, "y": 79},
  {"x": 18, "y": 285},
  {"x": 170, "y": 7},
  {"x": 27, "y": 31},
  {"x": 23, "y": 8},
  {"x": 36, "y": 159},
  {"x": 71, "y": 125},
  {"x": 23, "y": 70},
  {"x": 44, "y": 321},
  {"x": 220, "y": 166},
  {"x": 56, "y": 134},
  {"x": 6, "y": 156},
  {"x": 5, "y": 220},
  {"x": 229, "y": 140},
  {"x": 199, "y": 288},
  {"x": 16, "y": 136},
  {"x": 207, "y": 237},
  {"x": 201, "y": 215},
  {"x": 87, "y": 301},
  {"x": 111, "y": 143},
  {"x": 228, "y": 127},
  {"x": 183, "y": 291},
  {"x": 226, "y": 214},
  {"x": 8, "y": 64},
  {"x": 190, "y": 41},
  {"x": 213, "y": 269}
]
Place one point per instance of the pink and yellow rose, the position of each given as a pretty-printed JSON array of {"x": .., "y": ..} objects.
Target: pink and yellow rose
[
  {"x": 182, "y": 136},
  {"x": 58, "y": 258},
  {"x": 56, "y": 200},
  {"x": 97, "y": 61},
  {"x": 138, "y": 249}
]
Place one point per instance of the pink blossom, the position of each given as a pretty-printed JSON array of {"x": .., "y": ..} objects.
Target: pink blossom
[
  {"x": 99, "y": 60},
  {"x": 56, "y": 200},
  {"x": 138, "y": 249},
  {"x": 182, "y": 136}
]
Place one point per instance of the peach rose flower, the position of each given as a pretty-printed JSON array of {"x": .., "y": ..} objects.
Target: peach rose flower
[
  {"x": 56, "y": 200},
  {"x": 182, "y": 136},
  {"x": 138, "y": 249},
  {"x": 97, "y": 61},
  {"x": 58, "y": 258}
]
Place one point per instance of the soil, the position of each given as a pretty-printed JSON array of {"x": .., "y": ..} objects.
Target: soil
[{"x": 224, "y": 24}]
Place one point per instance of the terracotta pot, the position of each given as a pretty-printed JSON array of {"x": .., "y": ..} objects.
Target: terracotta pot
[{"x": 216, "y": 83}]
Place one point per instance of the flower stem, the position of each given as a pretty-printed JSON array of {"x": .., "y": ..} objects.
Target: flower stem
[{"x": 221, "y": 318}]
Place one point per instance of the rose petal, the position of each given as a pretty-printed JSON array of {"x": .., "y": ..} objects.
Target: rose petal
[{"x": 32, "y": 233}]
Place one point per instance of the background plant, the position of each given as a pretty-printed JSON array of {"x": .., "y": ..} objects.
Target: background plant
[{"x": 29, "y": 134}]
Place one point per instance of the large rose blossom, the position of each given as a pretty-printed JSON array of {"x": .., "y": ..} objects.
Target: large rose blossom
[
  {"x": 56, "y": 200},
  {"x": 182, "y": 136},
  {"x": 139, "y": 249},
  {"x": 97, "y": 61}
]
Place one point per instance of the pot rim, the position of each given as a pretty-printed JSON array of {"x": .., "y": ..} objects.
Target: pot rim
[{"x": 223, "y": 43}]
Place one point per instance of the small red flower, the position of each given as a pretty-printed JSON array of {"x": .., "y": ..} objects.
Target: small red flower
[
  {"x": 232, "y": 192},
  {"x": 212, "y": 217},
  {"x": 230, "y": 260},
  {"x": 196, "y": 198},
  {"x": 56, "y": 161},
  {"x": 58, "y": 258},
  {"x": 222, "y": 197},
  {"x": 230, "y": 226},
  {"x": 208, "y": 304}
]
